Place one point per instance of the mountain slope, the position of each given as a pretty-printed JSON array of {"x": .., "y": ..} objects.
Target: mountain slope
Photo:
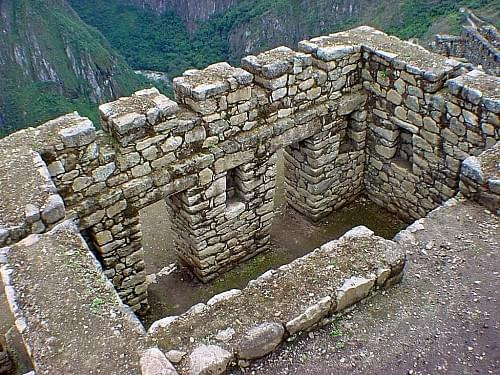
[
  {"x": 51, "y": 62},
  {"x": 191, "y": 11}
]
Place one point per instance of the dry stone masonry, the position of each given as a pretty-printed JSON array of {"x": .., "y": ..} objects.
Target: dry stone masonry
[
  {"x": 478, "y": 44},
  {"x": 345, "y": 271},
  {"x": 354, "y": 112}
]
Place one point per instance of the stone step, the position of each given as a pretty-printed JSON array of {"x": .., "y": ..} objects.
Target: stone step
[{"x": 250, "y": 323}]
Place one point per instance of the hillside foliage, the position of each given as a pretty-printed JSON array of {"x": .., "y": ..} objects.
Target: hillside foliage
[
  {"x": 48, "y": 35},
  {"x": 150, "y": 41}
]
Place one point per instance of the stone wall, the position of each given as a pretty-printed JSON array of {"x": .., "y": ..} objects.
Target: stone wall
[
  {"x": 481, "y": 48},
  {"x": 418, "y": 136},
  {"x": 67, "y": 312},
  {"x": 478, "y": 44},
  {"x": 354, "y": 111},
  {"x": 449, "y": 45},
  {"x": 242, "y": 332},
  {"x": 480, "y": 178}
]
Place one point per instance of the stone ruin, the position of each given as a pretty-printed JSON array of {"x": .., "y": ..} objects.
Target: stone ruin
[
  {"x": 478, "y": 44},
  {"x": 355, "y": 112}
]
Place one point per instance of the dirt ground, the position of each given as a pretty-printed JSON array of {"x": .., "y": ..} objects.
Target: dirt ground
[{"x": 444, "y": 318}]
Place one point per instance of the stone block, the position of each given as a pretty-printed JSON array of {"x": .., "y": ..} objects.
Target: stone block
[
  {"x": 55, "y": 168},
  {"x": 260, "y": 340},
  {"x": 278, "y": 94},
  {"x": 216, "y": 188},
  {"x": 164, "y": 161},
  {"x": 311, "y": 316},
  {"x": 233, "y": 160},
  {"x": 386, "y": 152},
  {"x": 137, "y": 186},
  {"x": 81, "y": 183},
  {"x": 161, "y": 324},
  {"x": 102, "y": 173},
  {"x": 353, "y": 290},
  {"x": 128, "y": 122},
  {"x": 209, "y": 360},
  {"x": 405, "y": 125},
  {"x": 205, "y": 176},
  {"x": 197, "y": 134},
  {"x": 31, "y": 213},
  {"x": 471, "y": 168},
  {"x": 104, "y": 237},
  {"x": 394, "y": 97},
  {"x": 224, "y": 296},
  {"x": 141, "y": 170},
  {"x": 334, "y": 52},
  {"x": 78, "y": 135},
  {"x": 54, "y": 210},
  {"x": 234, "y": 209},
  {"x": 175, "y": 356},
  {"x": 154, "y": 362},
  {"x": 313, "y": 93},
  {"x": 383, "y": 275},
  {"x": 239, "y": 119},
  {"x": 351, "y": 103},
  {"x": 239, "y": 95}
]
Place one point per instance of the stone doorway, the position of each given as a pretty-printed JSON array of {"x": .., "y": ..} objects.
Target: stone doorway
[{"x": 158, "y": 239}]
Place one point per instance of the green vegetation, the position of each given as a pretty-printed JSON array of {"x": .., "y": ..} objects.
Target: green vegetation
[
  {"x": 58, "y": 63},
  {"x": 96, "y": 305},
  {"x": 417, "y": 16},
  {"x": 162, "y": 42},
  {"x": 340, "y": 345},
  {"x": 35, "y": 103},
  {"x": 336, "y": 332}
]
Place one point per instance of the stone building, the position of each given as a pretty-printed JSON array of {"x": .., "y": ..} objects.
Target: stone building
[{"x": 354, "y": 112}]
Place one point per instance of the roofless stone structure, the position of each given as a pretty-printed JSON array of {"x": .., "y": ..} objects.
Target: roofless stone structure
[
  {"x": 354, "y": 112},
  {"x": 478, "y": 44}
]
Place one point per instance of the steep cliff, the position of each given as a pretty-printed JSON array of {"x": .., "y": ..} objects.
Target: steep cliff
[
  {"x": 191, "y": 11},
  {"x": 51, "y": 62},
  {"x": 288, "y": 22}
]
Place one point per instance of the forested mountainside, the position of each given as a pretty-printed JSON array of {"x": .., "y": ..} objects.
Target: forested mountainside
[
  {"x": 152, "y": 34},
  {"x": 191, "y": 11},
  {"x": 51, "y": 63}
]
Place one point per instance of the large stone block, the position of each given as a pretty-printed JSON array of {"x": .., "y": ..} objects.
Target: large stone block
[
  {"x": 311, "y": 316},
  {"x": 78, "y": 135},
  {"x": 260, "y": 340},
  {"x": 154, "y": 362},
  {"x": 354, "y": 290},
  {"x": 209, "y": 360},
  {"x": 54, "y": 210}
]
